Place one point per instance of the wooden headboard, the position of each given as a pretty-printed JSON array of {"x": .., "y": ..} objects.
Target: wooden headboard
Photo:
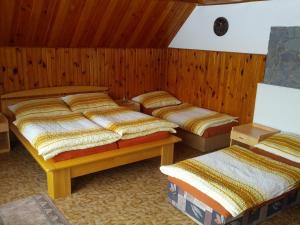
[{"x": 15, "y": 97}]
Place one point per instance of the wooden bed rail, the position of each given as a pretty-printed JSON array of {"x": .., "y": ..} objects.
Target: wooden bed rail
[{"x": 59, "y": 174}]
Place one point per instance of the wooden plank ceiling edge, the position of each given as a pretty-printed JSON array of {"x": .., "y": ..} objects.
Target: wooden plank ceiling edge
[{"x": 218, "y": 2}]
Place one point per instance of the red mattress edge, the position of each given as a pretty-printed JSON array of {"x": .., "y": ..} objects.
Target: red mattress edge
[{"x": 113, "y": 146}]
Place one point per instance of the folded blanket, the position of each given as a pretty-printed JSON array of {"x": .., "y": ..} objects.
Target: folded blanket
[
  {"x": 193, "y": 119},
  {"x": 52, "y": 135},
  {"x": 236, "y": 178},
  {"x": 128, "y": 123}
]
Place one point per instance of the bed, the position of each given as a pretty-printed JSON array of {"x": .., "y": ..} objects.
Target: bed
[
  {"x": 163, "y": 105},
  {"x": 59, "y": 174},
  {"x": 225, "y": 187}
]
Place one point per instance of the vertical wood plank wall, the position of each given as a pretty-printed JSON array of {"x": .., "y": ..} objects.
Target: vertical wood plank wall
[
  {"x": 127, "y": 72},
  {"x": 220, "y": 81}
]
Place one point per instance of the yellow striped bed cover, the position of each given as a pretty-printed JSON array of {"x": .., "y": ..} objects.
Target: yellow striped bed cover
[
  {"x": 286, "y": 145},
  {"x": 128, "y": 123},
  {"x": 236, "y": 178},
  {"x": 193, "y": 119},
  {"x": 54, "y": 134}
]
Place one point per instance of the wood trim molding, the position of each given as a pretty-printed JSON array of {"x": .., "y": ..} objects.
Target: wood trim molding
[{"x": 218, "y": 2}]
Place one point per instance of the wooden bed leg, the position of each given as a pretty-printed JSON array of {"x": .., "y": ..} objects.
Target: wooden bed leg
[
  {"x": 167, "y": 152},
  {"x": 59, "y": 183}
]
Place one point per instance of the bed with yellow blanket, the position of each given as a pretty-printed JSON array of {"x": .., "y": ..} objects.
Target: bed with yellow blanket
[
  {"x": 236, "y": 178},
  {"x": 53, "y": 134},
  {"x": 284, "y": 145},
  {"x": 128, "y": 123},
  {"x": 194, "y": 121}
]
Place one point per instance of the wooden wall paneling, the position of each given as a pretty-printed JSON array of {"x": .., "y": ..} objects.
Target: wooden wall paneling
[
  {"x": 21, "y": 62},
  {"x": 103, "y": 78},
  {"x": 42, "y": 69},
  {"x": 120, "y": 79},
  {"x": 255, "y": 67},
  {"x": 12, "y": 71},
  {"x": 219, "y": 81},
  {"x": 130, "y": 68},
  {"x": 127, "y": 72},
  {"x": 155, "y": 67},
  {"x": 200, "y": 75},
  {"x": 2, "y": 73},
  {"x": 91, "y": 23},
  {"x": 62, "y": 69}
]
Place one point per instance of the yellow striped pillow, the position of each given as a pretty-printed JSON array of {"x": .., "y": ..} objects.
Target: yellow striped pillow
[
  {"x": 156, "y": 99},
  {"x": 286, "y": 145},
  {"x": 89, "y": 101},
  {"x": 40, "y": 107}
]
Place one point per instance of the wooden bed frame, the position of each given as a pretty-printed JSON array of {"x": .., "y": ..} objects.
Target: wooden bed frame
[
  {"x": 204, "y": 144},
  {"x": 59, "y": 174},
  {"x": 200, "y": 143}
]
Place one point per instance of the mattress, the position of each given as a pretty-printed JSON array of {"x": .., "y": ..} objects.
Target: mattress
[
  {"x": 144, "y": 139},
  {"x": 113, "y": 146},
  {"x": 84, "y": 152},
  {"x": 53, "y": 134},
  {"x": 129, "y": 124},
  {"x": 193, "y": 119},
  {"x": 209, "y": 132},
  {"x": 206, "y": 214}
]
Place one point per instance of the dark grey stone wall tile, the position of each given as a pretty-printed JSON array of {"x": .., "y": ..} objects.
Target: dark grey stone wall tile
[{"x": 283, "y": 60}]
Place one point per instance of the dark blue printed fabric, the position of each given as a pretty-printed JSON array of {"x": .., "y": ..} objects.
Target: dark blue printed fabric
[{"x": 204, "y": 215}]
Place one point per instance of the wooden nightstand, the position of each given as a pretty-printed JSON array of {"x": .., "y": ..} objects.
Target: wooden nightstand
[
  {"x": 250, "y": 134},
  {"x": 4, "y": 134},
  {"x": 135, "y": 106}
]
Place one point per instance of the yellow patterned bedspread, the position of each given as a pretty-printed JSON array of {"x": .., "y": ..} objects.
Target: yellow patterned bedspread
[
  {"x": 128, "y": 123},
  {"x": 193, "y": 119},
  {"x": 284, "y": 144},
  {"x": 52, "y": 135},
  {"x": 236, "y": 178}
]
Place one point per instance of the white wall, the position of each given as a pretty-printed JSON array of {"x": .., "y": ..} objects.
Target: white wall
[
  {"x": 278, "y": 107},
  {"x": 249, "y": 26}
]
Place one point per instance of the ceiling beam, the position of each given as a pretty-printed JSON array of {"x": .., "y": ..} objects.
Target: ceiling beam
[{"x": 218, "y": 2}]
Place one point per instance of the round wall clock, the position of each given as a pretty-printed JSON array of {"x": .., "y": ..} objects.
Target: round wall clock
[{"x": 221, "y": 26}]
